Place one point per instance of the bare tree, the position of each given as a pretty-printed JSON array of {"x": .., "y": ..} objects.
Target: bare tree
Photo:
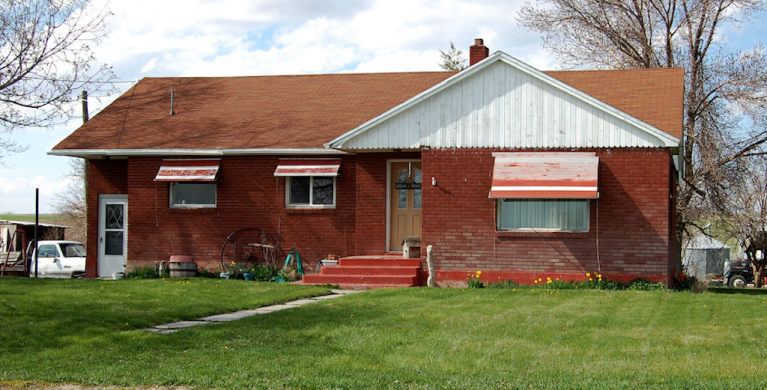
[
  {"x": 725, "y": 92},
  {"x": 45, "y": 58},
  {"x": 453, "y": 59},
  {"x": 742, "y": 211},
  {"x": 70, "y": 205}
]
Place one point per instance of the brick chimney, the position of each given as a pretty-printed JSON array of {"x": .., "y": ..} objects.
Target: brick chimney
[{"x": 478, "y": 51}]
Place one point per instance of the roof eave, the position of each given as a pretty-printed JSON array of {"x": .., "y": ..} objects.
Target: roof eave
[{"x": 95, "y": 153}]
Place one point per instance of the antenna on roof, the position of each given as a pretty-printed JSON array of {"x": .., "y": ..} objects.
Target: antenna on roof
[{"x": 171, "y": 103}]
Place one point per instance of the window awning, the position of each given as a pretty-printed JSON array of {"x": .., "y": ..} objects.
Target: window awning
[
  {"x": 559, "y": 175},
  {"x": 188, "y": 170},
  {"x": 291, "y": 167}
]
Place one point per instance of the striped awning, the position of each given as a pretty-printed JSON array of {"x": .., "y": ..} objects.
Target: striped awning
[
  {"x": 560, "y": 175},
  {"x": 188, "y": 170},
  {"x": 300, "y": 167}
]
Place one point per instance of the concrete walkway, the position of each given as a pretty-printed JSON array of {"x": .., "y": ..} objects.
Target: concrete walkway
[{"x": 176, "y": 326}]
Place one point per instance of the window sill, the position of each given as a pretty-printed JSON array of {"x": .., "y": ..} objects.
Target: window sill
[
  {"x": 192, "y": 210},
  {"x": 539, "y": 233},
  {"x": 308, "y": 210}
]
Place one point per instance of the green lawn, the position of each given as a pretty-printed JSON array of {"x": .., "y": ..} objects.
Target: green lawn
[
  {"x": 392, "y": 338},
  {"x": 44, "y": 218}
]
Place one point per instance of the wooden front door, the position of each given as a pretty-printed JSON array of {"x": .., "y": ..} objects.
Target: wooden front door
[{"x": 404, "y": 202}]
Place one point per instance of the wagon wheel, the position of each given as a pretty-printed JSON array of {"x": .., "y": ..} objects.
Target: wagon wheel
[{"x": 236, "y": 248}]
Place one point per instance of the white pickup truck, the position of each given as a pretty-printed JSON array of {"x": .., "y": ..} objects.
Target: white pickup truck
[{"x": 58, "y": 259}]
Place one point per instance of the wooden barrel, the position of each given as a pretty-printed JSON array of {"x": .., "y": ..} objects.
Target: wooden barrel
[{"x": 182, "y": 267}]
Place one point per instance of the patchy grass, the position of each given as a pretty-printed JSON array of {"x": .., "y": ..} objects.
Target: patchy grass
[{"x": 394, "y": 338}]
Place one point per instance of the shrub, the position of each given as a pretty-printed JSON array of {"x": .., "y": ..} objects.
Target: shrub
[
  {"x": 263, "y": 272},
  {"x": 287, "y": 274},
  {"x": 143, "y": 273},
  {"x": 203, "y": 273}
]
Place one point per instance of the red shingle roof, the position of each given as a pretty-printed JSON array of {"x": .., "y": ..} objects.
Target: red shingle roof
[
  {"x": 306, "y": 111},
  {"x": 654, "y": 96}
]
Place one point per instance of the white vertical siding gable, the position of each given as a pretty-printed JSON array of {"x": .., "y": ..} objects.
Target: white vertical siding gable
[{"x": 503, "y": 104}]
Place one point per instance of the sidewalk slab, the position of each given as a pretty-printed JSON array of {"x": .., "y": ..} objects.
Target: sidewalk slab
[
  {"x": 227, "y": 316},
  {"x": 324, "y": 297},
  {"x": 181, "y": 324},
  {"x": 300, "y": 302}
]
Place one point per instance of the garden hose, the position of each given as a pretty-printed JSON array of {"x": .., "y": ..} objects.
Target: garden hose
[{"x": 299, "y": 267}]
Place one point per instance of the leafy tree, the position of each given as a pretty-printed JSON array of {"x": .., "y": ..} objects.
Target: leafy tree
[
  {"x": 453, "y": 59},
  {"x": 45, "y": 58},
  {"x": 725, "y": 92}
]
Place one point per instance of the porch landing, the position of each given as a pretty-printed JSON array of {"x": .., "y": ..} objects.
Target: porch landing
[{"x": 369, "y": 272}]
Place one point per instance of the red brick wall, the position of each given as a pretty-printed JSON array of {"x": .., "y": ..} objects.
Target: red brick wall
[
  {"x": 633, "y": 228},
  {"x": 248, "y": 195},
  {"x": 371, "y": 200},
  {"x": 105, "y": 177}
]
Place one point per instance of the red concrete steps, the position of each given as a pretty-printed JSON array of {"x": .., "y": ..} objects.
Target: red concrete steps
[{"x": 365, "y": 272}]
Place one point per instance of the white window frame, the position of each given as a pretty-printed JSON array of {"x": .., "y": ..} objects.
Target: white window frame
[
  {"x": 172, "y": 196},
  {"x": 498, "y": 228},
  {"x": 288, "y": 179}
]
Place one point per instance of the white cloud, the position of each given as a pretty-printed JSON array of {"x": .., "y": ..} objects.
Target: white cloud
[
  {"x": 149, "y": 65},
  {"x": 18, "y": 194}
]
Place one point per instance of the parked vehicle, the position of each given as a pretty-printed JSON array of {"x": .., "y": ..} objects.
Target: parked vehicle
[
  {"x": 738, "y": 273},
  {"x": 58, "y": 259}
]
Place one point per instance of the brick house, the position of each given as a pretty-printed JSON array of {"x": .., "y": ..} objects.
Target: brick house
[{"x": 501, "y": 168}]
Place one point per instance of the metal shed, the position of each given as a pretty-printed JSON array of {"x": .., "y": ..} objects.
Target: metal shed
[{"x": 704, "y": 257}]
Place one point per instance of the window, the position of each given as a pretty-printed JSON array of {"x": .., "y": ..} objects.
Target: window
[
  {"x": 193, "y": 194},
  {"x": 73, "y": 250},
  {"x": 48, "y": 251},
  {"x": 570, "y": 215},
  {"x": 311, "y": 191}
]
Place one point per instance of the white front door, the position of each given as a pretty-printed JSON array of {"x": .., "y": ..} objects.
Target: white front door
[{"x": 113, "y": 234}]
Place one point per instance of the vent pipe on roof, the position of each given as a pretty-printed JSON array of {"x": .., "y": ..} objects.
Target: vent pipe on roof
[
  {"x": 171, "y": 103},
  {"x": 85, "y": 106}
]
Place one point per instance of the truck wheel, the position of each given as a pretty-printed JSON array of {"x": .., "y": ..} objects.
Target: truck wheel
[
  {"x": 737, "y": 281},
  {"x": 78, "y": 275}
]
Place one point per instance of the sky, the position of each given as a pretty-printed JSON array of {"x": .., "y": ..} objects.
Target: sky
[{"x": 170, "y": 38}]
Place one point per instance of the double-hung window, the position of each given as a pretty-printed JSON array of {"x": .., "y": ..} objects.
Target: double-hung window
[
  {"x": 309, "y": 183},
  {"x": 548, "y": 191},
  {"x": 192, "y": 183},
  {"x": 311, "y": 191}
]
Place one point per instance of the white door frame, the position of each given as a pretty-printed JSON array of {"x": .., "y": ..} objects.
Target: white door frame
[
  {"x": 389, "y": 195},
  {"x": 102, "y": 270}
]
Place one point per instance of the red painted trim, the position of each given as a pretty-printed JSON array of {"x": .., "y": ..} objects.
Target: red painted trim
[{"x": 456, "y": 278}]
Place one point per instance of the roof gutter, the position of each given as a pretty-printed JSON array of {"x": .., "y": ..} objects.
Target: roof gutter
[{"x": 93, "y": 153}]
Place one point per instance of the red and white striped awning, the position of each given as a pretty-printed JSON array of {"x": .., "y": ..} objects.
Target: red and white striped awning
[
  {"x": 299, "y": 167},
  {"x": 559, "y": 175},
  {"x": 188, "y": 170}
]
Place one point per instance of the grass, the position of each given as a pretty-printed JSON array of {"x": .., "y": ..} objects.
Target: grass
[
  {"x": 394, "y": 338},
  {"x": 44, "y": 218}
]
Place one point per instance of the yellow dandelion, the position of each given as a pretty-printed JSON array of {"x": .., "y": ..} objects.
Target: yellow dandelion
[
  {"x": 590, "y": 279},
  {"x": 479, "y": 272},
  {"x": 588, "y": 274}
]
